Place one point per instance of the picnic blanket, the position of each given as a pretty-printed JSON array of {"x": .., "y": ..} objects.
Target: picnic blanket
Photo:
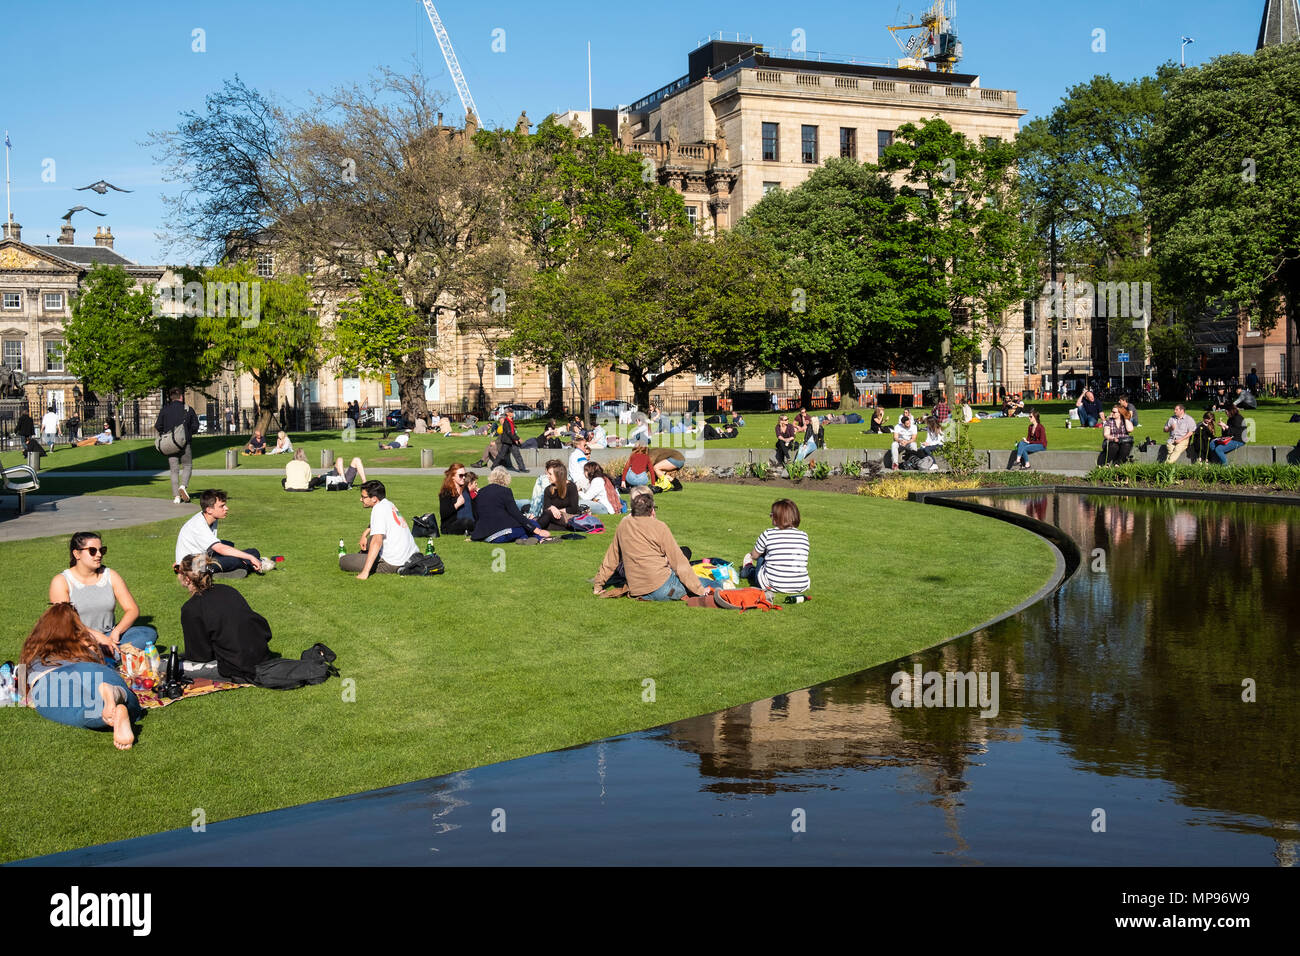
[{"x": 198, "y": 688}]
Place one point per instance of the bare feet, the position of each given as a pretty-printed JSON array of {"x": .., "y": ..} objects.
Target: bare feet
[{"x": 115, "y": 715}]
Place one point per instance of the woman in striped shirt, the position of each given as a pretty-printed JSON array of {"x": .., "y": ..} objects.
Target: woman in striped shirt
[{"x": 779, "y": 561}]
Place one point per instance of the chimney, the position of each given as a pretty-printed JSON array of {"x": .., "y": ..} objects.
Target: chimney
[
  {"x": 66, "y": 234},
  {"x": 104, "y": 237},
  {"x": 13, "y": 230}
]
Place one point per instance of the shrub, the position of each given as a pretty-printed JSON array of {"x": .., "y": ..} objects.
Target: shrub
[
  {"x": 796, "y": 470},
  {"x": 761, "y": 470},
  {"x": 820, "y": 471},
  {"x": 1281, "y": 477},
  {"x": 899, "y": 487},
  {"x": 853, "y": 468},
  {"x": 959, "y": 450}
]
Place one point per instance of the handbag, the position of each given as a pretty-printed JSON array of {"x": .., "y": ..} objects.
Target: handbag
[{"x": 173, "y": 442}]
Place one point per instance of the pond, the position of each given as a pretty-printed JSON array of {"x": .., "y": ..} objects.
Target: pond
[{"x": 1145, "y": 713}]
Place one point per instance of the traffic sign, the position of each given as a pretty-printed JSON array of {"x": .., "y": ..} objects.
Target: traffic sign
[{"x": 1122, "y": 357}]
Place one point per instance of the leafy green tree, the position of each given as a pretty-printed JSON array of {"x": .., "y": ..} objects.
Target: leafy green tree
[
  {"x": 1223, "y": 163},
  {"x": 376, "y": 329},
  {"x": 111, "y": 340},
  {"x": 266, "y": 327},
  {"x": 961, "y": 254}
]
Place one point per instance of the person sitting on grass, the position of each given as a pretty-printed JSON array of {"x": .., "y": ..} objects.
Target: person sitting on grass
[
  {"x": 199, "y": 536},
  {"x": 399, "y": 441},
  {"x": 496, "y": 516},
  {"x": 339, "y": 478},
  {"x": 103, "y": 438},
  {"x": 1234, "y": 436},
  {"x": 601, "y": 497},
  {"x": 256, "y": 445},
  {"x": 779, "y": 559},
  {"x": 638, "y": 470},
  {"x": 1035, "y": 441},
  {"x": 560, "y": 499},
  {"x": 64, "y": 674},
  {"x": 544, "y": 481},
  {"x": 1089, "y": 409},
  {"x": 879, "y": 423},
  {"x": 386, "y": 544},
  {"x": 224, "y": 637},
  {"x": 297, "y": 473},
  {"x": 1117, "y": 433},
  {"x": 455, "y": 507},
  {"x": 283, "y": 446},
  {"x": 1207, "y": 432},
  {"x": 904, "y": 440},
  {"x": 95, "y": 592},
  {"x": 653, "y": 564}
]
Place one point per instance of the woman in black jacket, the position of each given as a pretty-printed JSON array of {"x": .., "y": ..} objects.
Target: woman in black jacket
[
  {"x": 560, "y": 502},
  {"x": 496, "y": 516},
  {"x": 219, "y": 625},
  {"x": 455, "y": 506}
]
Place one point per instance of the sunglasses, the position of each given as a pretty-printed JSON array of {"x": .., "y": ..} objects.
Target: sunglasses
[
  {"x": 460, "y": 474},
  {"x": 96, "y": 551}
]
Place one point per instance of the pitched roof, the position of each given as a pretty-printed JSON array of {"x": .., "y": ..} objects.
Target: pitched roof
[
  {"x": 87, "y": 255},
  {"x": 1280, "y": 24}
]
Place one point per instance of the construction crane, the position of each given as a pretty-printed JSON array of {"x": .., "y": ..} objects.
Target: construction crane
[
  {"x": 453, "y": 65},
  {"x": 936, "y": 42}
]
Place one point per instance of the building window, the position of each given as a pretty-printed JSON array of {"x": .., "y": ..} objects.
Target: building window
[
  {"x": 768, "y": 187},
  {"x": 13, "y": 300},
  {"x": 1064, "y": 352},
  {"x": 771, "y": 142},
  {"x": 54, "y": 355},
  {"x": 13, "y": 354},
  {"x": 991, "y": 141},
  {"x": 265, "y": 265},
  {"x": 1078, "y": 322},
  {"x": 884, "y": 140},
  {"x": 505, "y": 372},
  {"x": 54, "y": 302},
  {"x": 848, "y": 142},
  {"x": 809, "y": 138},
  {"x": 1029, "y": 313},
  {"x": 1078, "y": 351},
  {"x": 704, "y": 378},
  {"x": 773, "y": 381},
  {"x": 693, "y": 214}
]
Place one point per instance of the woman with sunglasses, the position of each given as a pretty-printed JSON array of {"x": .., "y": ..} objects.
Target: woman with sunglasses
[
  {"x": 96, "y": 592},
  {"x": 455, "y": 507}
]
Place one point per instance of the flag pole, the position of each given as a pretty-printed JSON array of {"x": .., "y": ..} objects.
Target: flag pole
[{"x": 8, "y": 213}]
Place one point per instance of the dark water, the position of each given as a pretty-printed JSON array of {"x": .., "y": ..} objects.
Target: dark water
[{"x": 1119, "y": 702}]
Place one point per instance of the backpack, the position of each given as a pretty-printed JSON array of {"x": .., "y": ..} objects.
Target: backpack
[
  {"x": 422, "y": 564},
  {"x": 743, "y": 599},
  {"x": 284, "y": 673},
  {"x": 588, "y": 523},
  {"x": 425, "y": 526}
]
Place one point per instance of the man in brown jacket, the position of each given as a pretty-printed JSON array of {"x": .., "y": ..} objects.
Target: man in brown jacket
[{"x": 654, "y": 565}]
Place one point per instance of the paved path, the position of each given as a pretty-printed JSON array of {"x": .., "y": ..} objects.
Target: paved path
[{"x": 66, "y": 514}]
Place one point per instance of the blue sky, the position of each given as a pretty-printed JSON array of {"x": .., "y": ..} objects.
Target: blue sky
[{"x": 86, "y": 82}]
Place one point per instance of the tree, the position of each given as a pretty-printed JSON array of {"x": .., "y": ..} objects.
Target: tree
[
  {"x": 111, "y": 340},
  {"x": 961, "y": 254},
  {"x": 829, "y": 244},
  {"x": 376, "y": 329},
  {"x": 267, "y": 327},
  {"x": 1222, "y": 164}
]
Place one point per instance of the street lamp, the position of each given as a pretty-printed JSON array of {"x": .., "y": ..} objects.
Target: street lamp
[
  {"x": 481, "y": 397},
  {"x": 1182, "y": 53},
  {"x": 225, "y": 395}
]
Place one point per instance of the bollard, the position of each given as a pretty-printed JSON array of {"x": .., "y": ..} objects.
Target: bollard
[
  {"x": 426, "y": 457},
  {"x": 326, "y": 459},
  {"x": 34, "y": 460},
  {"x": 232, "y": 458},
  {"x": 130, "y": 460}
]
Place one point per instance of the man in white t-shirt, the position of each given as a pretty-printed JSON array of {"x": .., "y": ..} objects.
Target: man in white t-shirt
[
  {"x": 199, "y": 536},
  {"x": 904, "y": 439},
  {"x": 50, "y": 426},
  {"x": 401, "y": 440},
  {"x": 387, "y": 544}
]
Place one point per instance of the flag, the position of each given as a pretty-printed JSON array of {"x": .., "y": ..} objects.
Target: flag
[{"x": 8, "y": 144}]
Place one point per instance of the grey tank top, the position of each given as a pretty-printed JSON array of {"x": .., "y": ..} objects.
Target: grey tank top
[{"x": 95, "y": 602}]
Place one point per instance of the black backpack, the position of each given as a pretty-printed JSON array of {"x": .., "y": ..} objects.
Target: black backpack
[
  {"x": 284, "y": 673},
  {"x": 425, "y": 526},
  {"x": 422, "y": 564}
]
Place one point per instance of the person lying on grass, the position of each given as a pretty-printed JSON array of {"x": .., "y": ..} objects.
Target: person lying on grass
[
  {"x": 653, "y": 563},
  {"x": 65, "y": 677},
  {"x": 387, "y": 544},
  {"x": 222, "y": 633},
  {"x": 779, "y": 559},
  {"x": 399, "y": 441},
  {"x": 339, "y": 478}
]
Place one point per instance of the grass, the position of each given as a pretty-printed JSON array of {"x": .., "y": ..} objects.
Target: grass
[
  {"x": 474, "y": 666},
  {"x": 1271, "y": 421}
]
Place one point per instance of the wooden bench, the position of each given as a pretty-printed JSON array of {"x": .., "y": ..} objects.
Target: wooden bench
[{"x": 19, "y": 480}]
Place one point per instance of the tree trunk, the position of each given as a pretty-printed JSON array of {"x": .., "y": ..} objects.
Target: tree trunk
[
  {"x": 848, "y": 391},
  {"x": 640, "y": 389},
  {"x": 266, "y": 389},
  {"x": 556, "y": 385},
  {"x": 806, "y": 382},
  {"x": 584, "y": 385},
  {"x": 410, "y": 385}
]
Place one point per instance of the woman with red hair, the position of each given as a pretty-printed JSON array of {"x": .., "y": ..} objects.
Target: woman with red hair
[{"x": 66, "y": 679}]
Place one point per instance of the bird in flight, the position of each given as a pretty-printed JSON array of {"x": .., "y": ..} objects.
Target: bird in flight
[
  {"x": 103, "y": 186},
  {"x": 67, "y": 216}
]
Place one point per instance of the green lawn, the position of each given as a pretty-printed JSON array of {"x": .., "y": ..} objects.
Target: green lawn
[
  {"x": 1272, "y": 428},
  {"x": 479, "y": 665}
]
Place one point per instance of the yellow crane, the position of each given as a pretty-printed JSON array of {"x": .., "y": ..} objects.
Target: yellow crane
[{"x": 933, "y": 40}]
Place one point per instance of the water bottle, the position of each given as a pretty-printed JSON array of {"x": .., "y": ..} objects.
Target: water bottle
[
  {"x": 8, "y": 684},
  {"x": 428, "y": 546},
  {"x": 155, "y": 661},
  {"x": 342, "y": 549}
]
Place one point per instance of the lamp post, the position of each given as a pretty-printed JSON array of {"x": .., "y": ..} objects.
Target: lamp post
[
  {"x": 1056, "y": 319},
  {"x": 481, "y": 397},
  {"x": 225, "y": 395}
]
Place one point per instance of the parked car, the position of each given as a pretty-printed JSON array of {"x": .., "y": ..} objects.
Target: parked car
[
  {"x": 522, "y": 412},
  {"x": 615, "y": 410},
  {"x": 395, "y": 419}
]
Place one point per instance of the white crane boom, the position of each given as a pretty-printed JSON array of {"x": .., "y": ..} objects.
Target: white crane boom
[{"x": 453, "y": 65}]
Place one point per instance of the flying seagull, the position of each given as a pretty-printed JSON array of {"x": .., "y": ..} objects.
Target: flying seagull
[
  {"x": 67, "y": 217},
  {"x": 103, "y": 186}
]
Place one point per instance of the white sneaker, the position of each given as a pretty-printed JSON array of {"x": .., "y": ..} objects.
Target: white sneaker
[
  {"x": 267, "y": 565},
  {"x": 184, "y": 495},
  {"x": 176, "y": 500}
]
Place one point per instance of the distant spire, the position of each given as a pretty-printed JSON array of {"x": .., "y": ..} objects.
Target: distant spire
[{"x": 1281, "y": 23}]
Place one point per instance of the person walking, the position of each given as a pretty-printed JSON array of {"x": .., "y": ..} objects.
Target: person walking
[{"x": 174, "y": 414}]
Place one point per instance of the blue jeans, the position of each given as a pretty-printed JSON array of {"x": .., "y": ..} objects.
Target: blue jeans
[
  {"x": 137, "y": 635},
  {"x": 749, "y": 572},
  {"x": 1221, "y": 451},
  {"x": 1024, "y": 449},
  {"x": 670, "y": 590},
  {"x": 808, "y": 448},
  {"x": 69, "y": 694},
  {"x": 1088, "y": 421}
]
